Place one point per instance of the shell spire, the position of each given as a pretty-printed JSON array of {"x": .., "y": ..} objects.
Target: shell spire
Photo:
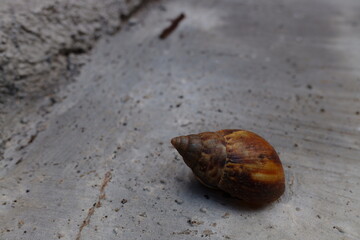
[
  {"x": 189, "y": 147},
  {"x": 205, "y": 154}
]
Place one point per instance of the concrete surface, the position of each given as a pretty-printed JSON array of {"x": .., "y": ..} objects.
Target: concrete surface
[{"x": 101, "y": 166}]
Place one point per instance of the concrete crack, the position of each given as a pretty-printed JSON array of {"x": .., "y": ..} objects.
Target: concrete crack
[{"x": 91, "y": 211}]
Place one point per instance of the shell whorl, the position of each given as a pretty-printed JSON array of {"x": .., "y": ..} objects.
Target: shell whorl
[{"x": 237, "y": 161}]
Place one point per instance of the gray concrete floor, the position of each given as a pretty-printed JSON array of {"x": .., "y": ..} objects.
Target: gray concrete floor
[{"x": 102, "y": 167}]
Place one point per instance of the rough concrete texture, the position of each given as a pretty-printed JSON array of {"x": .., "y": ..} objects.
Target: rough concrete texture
[
  {"x": 38, "y": 39},
  {"x": 102, "y": 166},
  {"x": 42, "y": 46}
]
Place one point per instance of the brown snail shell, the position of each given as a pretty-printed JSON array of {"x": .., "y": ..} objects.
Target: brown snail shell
[{"x": 236, "y": 161}]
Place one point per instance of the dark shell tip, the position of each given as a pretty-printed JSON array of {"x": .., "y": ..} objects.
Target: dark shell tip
[{"x": 175, "y": 141}]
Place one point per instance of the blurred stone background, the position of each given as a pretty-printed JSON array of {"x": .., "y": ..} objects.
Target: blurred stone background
[
  {"x": 39, "y": 39},
  {"x": 43, "y": 46}
]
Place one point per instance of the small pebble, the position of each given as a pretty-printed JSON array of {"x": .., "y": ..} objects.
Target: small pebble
[
  {"x": 207, "y": 232},
  {"x": 59, "y": 235},
  {"x": 179, "y": 201},
  {"x": 116, "y": 231},
  {"x": 203, "y": 210},
  {"x": 339, "y": 229},
  {"x": 194, "y": 221},
  {"x": 133, "y": 21}
]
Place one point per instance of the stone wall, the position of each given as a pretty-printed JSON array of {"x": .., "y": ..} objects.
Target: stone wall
[{"x": 39, "y": 39}]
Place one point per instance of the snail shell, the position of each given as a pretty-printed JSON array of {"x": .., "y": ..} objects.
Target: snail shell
[{"x": 238, "y": 162}]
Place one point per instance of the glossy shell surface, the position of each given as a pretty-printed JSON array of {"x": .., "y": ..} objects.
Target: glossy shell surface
[{"x": 236, "y": 161}]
